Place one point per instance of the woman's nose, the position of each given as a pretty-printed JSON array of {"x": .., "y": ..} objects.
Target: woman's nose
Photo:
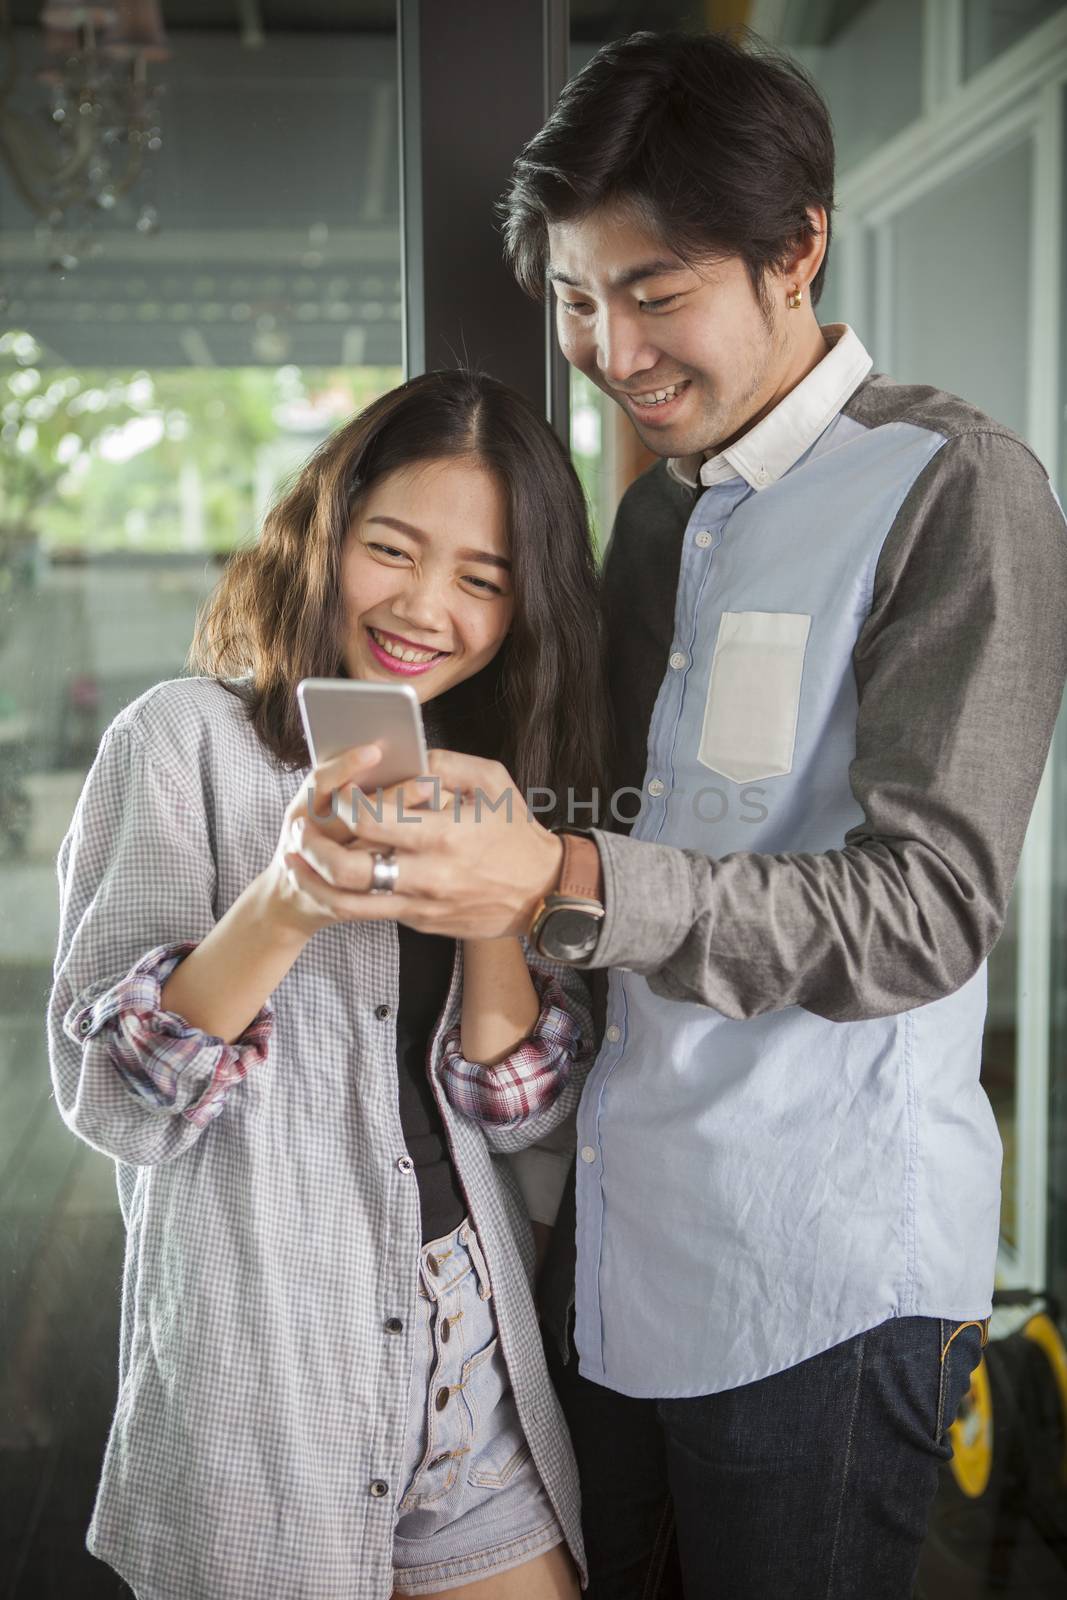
[{"x": 422, "y": 604}]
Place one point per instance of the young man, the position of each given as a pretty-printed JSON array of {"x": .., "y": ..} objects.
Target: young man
[{"x": 836, "y": 643}]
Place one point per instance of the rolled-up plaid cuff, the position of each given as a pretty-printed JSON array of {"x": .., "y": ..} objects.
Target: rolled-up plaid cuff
[
  {"x": 155, "y": 1052},
  {"x": 525, "y": 1082}
]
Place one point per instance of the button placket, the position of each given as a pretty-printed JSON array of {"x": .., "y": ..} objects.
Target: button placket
[
  {"x": 446, "y": 1439},
  {"x": 664, "y": 731}
]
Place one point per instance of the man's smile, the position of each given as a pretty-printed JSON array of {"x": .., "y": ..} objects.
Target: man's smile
[{"x": 656, "y": 405}]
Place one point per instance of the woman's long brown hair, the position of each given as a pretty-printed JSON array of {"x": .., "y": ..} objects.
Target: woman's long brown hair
[{"x": 278, "y": 615}]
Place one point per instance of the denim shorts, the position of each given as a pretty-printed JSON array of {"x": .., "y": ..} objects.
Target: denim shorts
[{"x": 472, "y": 1502}]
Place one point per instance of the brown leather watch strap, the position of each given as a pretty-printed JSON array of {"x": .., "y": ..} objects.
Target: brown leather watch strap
[{"x": 580, "y": 876}]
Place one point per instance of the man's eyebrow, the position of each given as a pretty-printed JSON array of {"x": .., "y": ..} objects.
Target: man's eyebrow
[
  {"x": 625, "y": 280},
  {"x": 422, "y": 538}
]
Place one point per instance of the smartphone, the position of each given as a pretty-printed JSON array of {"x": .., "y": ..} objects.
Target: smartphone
[{"x": 339, "y": 713}]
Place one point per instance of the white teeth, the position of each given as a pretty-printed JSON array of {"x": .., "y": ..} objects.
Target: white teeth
[
  {"x": 656, "y": 397},
  {"x": 401, "y": 652}
]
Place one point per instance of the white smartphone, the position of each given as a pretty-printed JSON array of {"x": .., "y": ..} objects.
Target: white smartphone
[{"x": 339, "y": 713}]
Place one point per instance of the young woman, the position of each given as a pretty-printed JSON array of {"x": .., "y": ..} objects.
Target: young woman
[{"x": 331, "y": 1380}]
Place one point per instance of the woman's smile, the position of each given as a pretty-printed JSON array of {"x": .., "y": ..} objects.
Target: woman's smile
[{"x": 400, "y": 655}]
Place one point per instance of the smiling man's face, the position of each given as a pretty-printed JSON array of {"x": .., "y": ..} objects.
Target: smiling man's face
[{"x": 689, "y": 353}]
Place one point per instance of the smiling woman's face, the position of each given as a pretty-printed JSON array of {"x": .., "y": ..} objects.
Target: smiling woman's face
[{"x": 426, "y": 577}]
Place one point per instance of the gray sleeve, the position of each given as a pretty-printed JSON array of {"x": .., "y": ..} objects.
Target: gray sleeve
[
  {"x": 960, "y": 668},
  {"x": 136, "y": 871}
]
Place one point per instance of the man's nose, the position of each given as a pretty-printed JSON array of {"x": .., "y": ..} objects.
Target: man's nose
[{"x": 623, "y": 349}]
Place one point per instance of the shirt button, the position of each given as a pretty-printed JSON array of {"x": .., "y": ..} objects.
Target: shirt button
[
  {"x": 656, "y": 787},
  {"x": 613, "y": 1034},
  {"x": 405, "y": 1164},
  {"x": 703, "y": 539},
  {"x": 434, "y": 1266},
  {"x": 441, "y": 1399},
  {"x": 382, "y": 1013},
  {"x": 588, "y": 1153},
  {"x": 393, "y": 1325},
  {"x": 85, "y": 1024},
  {"x": 379, "y": 1488},
  {"x": 446, "y": 1330},
  {"x": 679, "y": 660},
  {"x": 761, "y": 474}
]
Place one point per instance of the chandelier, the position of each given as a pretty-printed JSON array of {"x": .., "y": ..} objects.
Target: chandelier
[{"x": 92, "y": 144}]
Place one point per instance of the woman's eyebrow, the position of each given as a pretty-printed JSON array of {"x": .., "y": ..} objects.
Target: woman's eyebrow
[{"x": 421, "y": 537}]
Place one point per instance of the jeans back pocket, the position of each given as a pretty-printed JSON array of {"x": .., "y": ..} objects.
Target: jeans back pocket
[{"x": 753, "y": 701}]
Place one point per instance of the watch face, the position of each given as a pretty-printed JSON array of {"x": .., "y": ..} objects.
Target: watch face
[{"x": 569, "y": 934}]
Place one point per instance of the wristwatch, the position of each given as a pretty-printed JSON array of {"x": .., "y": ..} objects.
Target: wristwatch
[{"x": 566, "y": 925}]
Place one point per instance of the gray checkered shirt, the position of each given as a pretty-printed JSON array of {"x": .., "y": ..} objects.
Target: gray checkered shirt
[{"x": 260, "y": 1393}]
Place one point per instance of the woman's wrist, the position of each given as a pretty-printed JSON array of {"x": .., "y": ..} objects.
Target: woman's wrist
[
  {"x": 500, "y": 1004},
  {"x": 272, "y": 898}
]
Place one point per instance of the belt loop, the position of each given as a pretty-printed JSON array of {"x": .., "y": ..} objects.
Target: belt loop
[{"x": 481, "y": 1271}]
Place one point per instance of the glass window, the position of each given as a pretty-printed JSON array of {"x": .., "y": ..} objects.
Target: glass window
[
  {"x": 212, "y": 288},
  {"x": 867, "y": 60},
  {"x": 992, "y": 26},
  {"x": 955, "y": 321},
  {"x": 1057, "y": 1148},
  {"x": 935, "y": 312}
]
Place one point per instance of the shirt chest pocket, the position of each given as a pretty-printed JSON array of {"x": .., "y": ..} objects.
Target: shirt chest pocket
[{"x": 750, "y": 717}]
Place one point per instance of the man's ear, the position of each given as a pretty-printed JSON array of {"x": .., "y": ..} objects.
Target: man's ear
[{"x": 805, "y": 257}]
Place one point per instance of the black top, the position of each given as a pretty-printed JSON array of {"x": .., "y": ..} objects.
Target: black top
[{"x": 425, "y": 974}]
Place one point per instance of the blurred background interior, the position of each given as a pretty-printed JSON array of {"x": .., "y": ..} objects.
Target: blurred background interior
[{"x": 206, "y": 263}]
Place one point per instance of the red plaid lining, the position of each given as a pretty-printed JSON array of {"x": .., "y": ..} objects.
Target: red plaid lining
[
  {"x": 525, "y": 1082},
  {"x": 151, "y": 1049}
]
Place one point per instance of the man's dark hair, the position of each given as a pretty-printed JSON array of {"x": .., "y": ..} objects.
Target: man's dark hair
[{"x": 717, "y": 142}]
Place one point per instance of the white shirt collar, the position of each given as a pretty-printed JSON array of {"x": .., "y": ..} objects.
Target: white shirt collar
[{"x": 763, "y": 454}]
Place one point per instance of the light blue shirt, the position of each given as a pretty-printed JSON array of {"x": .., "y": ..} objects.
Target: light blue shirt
[{"x": 752, "y": 1192}]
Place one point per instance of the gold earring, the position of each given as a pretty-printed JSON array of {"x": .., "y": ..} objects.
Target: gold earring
[{"x": 794, "y": 299}]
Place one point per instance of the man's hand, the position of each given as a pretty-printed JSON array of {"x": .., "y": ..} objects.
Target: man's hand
[{"x": 473, "y": 864}]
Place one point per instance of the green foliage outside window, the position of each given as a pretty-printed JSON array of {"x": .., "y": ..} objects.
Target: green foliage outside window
[{"x": 170, "y": 460}]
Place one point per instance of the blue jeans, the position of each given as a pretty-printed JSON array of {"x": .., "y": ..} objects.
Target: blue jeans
[{"x": 815, "y": 1483}]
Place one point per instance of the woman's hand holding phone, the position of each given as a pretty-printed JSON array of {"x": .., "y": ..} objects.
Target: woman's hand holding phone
[{"x": 299, "y": 896}]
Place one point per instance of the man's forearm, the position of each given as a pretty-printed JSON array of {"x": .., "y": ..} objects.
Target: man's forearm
[{"x": 861, "y": 932}]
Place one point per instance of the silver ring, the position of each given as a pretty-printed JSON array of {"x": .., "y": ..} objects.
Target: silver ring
[{"x": 384, "y": 872}]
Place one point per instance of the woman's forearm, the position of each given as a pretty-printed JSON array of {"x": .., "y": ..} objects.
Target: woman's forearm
[
  {"x": 222, "y": 985},
  {"x": 500, "y": 1004}
]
